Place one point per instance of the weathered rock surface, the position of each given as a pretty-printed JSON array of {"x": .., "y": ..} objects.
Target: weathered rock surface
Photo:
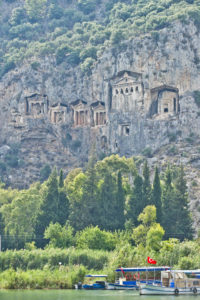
[{"x": 138, "y": 99}]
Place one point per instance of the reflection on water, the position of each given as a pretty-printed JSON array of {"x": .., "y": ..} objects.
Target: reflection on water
[{"x": 84, "y": 295}]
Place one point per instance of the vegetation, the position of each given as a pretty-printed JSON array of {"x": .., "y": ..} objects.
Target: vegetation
[
  {"x": 108, "y": 195},
  {"x": 94, "y": 219},
  {"x": 76, "y": 32}
]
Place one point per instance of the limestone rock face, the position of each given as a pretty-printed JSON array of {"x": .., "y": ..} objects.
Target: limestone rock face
[{"x": 138, "y": 99}]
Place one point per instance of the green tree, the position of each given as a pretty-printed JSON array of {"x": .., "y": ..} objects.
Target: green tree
[
  {"x": 154, "y": 237},
  {"x": 94, "y": 238},
  {"x": 49, "y": 208},
  {"x": 108, "y": 202},
  {"x": 45, "y": 172},
  {"x": 35, "y": 9},
  {"x": 60, "y": 237},
  {"x": 156, "y": 195},
  {"x": 135, "y": 204},
  {"x": 183, "y": 223},
  {"x": 20, "y": 216},
  {"x": 63, "y": 202},
  {"x": 149, "y": 234},
  {"x": 74, "y": 186},
  {"x": 168, "y": 204},
  {"x": 120, "y": 199},
  {"x": 146, "y": 185},
  {"x": 61, "y": 179},
  {"x": 147, "y": 218}
]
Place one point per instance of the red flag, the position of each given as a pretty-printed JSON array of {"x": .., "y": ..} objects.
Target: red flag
[
  {"x": 151, "y": 261},
  {"x": 122, "y": 271}
]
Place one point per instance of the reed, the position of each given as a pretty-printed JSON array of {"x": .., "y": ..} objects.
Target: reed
[
  {"x": 60, "y": 278},
  {"x": 52, "y": 257}
]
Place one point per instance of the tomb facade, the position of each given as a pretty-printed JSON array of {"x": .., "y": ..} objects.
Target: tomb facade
[
  {"x": 165, "y": 100},
  {"x": 127, "y": 92},
  {"x": 16, "y": 119},
  {"x": 125, "y": 129},
  {"x": 80, "y": 113},
  {"x": 36, "y": 105},
  {"x": 98, "y": 113},
  {"x": 58, "y": 113}
]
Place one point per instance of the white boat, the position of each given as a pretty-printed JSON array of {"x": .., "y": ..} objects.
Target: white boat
[
  {"x": 130, "y": 278},
  {"x": 174, "y": 282}
]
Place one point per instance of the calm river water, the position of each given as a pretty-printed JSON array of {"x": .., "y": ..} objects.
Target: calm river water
[{"x": 84, "y": 295}]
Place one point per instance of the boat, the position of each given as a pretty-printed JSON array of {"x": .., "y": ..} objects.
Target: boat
[
  {"x": 130, "y": 278},
  {"x": 97, "y": 285},
  {"x": 174, "y": 282}
]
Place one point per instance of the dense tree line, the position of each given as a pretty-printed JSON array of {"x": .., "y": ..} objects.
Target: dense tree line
[
  {"x": 108, "y": 195},
  {"x": 77, "y": 32}
]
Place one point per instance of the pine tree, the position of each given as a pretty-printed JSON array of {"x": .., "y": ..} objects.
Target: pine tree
[
  {"x": 156, "y": 196},
  {"x": 120, "y": 198},
  {"x": 176, "y": 218},
  {"x": 63, "y": 202},
  {"x": 183, "y": 225},
  {"x": 89, "y": 201},
  {"x": 136, "y": 203},
  {"x": 146, "y": 185},
  {"x": 108, "y": 205},
  {"x": 49, "y": 207},
  {"x": 61, "y": 180},
  {"x": 168, "y": 205}
]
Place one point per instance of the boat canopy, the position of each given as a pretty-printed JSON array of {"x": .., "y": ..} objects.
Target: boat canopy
[
  {"x": 143, "y": 269},
  {"x": 188, "y": 271},
  {"x": 96, "y": 275}
]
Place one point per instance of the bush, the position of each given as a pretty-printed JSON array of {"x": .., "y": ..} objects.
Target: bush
[
  {"x": 197, "y": 98},
  {"x": 10, "y": 65},
  {"x": 35, "y": 65},
  {"x": 61, "y": 53},
  {"x": 12, "y": 160},
  {"x": 45, "y": 172},
  {"x": 90, "y": 52},
  {"x": 60, "y": 237},
  {"x": 187, "y": 263},
  {"x": 86, "y": 66},
  {"x": 147, "y": 152},
  {"x": 87, "y": 6},
  {"x": 76, "y": 144},
  {"x": 172, "y": 137},
  {"x": 94, "y": 238}
]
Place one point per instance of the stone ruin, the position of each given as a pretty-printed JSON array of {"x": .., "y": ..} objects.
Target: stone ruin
[
  {"x": 99, "y": 113},
  {"x": 36, "y": 105},
  {"x": 164, "y": 101},
  {"x": 58, "y": 113},
  {"x": 127, "y": 97},
  {"x": 127, "y": 92}
]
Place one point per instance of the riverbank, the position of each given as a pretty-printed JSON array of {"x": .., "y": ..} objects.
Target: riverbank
[
  {"x": 61, "y": 278},
  {"x": 50, "y": 268}
]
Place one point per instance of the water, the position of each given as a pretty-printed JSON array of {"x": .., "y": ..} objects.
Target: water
[{"x": 84, "y": 295}]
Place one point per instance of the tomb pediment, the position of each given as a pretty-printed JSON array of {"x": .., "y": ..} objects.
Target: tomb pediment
[
  {"x": 165, "y": 87},
  {"x": 79, "y": 104},
  {"x": 98, "y": 106},
  {"x": 126, "y": 77},
  {"x": 124, "y": 81}
]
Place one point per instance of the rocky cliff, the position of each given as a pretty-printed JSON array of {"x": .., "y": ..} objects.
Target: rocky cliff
[{"x": 140, "y": 98}]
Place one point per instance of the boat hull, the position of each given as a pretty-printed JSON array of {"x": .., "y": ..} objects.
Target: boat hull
[
  {"x": 161, "y": 290},
  {"x": 114, "y": 286}
]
